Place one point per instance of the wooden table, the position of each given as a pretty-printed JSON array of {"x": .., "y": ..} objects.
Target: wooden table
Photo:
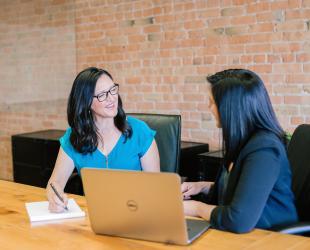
[{"x": 16, "y": 232}]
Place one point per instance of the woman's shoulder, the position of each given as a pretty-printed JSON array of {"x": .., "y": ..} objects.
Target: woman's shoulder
[
  {"x": 66, "y": 143},
  {"x": 136, "y": 123},
  {"x": 67, "y": 133},
  {"x": 265, "y": 137},
  {"x": 65, "y": 139},
  {"x": 264, "y": 140},
  {"x": 140, "y": 128}
]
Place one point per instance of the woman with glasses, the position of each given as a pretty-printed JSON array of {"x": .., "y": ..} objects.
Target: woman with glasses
[
  {"x": 100, "y": 135},
  {"x": 253, "y": 188}
]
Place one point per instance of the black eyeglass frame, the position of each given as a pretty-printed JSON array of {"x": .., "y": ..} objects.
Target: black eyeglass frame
[{"x": 106, "y": 93}]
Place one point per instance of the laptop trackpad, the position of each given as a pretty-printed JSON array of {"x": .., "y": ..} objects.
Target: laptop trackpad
[{"x": 195, "y": 228}]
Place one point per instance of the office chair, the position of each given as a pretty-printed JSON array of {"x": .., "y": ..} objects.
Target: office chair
[
  {"x": 168, "y": 138},
  {"x": 299, "y": 157}
]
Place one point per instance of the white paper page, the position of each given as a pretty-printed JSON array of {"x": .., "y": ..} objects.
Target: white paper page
[{"x": 38, "y": 211}]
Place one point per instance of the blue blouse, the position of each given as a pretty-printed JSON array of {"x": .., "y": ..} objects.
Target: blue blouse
[{"x": 125, "y": 154}]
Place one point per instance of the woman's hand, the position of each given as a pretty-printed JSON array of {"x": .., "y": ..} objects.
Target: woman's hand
[
  {"x": 198, "y": 209},
  {"x": 191, "y": 208},
  {"x": 63, "y": 169},
  {"x": 55, "y": 204},
  {"x": 192, "y": 188}
]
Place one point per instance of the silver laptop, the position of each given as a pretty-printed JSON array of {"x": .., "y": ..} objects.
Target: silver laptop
[{"x": 139, "y": 205}]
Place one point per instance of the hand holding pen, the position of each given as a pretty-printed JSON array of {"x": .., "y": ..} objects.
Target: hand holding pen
[{"x": 57, "y": 201}]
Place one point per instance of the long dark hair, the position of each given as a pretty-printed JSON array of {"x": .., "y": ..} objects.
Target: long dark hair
[
  {"x": 244, "y": 108},
  {"x": 84, "y": 135}
]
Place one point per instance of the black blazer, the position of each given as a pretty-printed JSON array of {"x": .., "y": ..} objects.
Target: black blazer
[{"x": 258, "y": 192}]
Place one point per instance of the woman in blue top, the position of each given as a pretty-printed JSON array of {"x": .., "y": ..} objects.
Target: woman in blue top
[
  {"x": 100, "y": 135},
  {"x": 253, "y": 189}
]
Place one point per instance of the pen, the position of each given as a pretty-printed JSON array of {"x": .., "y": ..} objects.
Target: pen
[{"x": 58, "y": 195}]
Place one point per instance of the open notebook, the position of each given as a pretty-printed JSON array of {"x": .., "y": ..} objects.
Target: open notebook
[{"x": 38, "y": 211}]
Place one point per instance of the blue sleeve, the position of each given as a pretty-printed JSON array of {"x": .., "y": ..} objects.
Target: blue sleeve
[
  {"x": 66, "y": 144},
  {"x": 260, "y": 170},
  {"x": 144, "y": 134}
]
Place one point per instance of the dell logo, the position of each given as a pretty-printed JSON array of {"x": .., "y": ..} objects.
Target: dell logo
[{"x": 132, "y": 205}]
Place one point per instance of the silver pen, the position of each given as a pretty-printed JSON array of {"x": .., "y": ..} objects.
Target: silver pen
[{"x": 58, "y": 195}]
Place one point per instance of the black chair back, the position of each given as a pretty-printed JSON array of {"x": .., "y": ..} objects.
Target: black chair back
[
  {"x": 168, "y": 138},
  {"x": 299, "y": 157}
]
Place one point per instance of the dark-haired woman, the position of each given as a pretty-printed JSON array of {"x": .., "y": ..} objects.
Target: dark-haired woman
[
  {"x": 100, "y": 135},
  {"x": 253, "y": 189}
]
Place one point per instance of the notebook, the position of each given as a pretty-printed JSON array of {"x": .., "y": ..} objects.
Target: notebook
[
  {"x": 38, "y": 211},
  {"x": 139, "y": 205}
]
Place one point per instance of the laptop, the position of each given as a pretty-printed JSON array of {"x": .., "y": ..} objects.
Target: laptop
[{"x": 139, "y": 205}]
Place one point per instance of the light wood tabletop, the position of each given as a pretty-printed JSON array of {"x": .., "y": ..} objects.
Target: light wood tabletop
[{"x": 16, "y": 231}]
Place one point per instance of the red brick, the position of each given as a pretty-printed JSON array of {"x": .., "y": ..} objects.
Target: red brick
[
  {"x": 197, "y": 24},
  {"x": 243, "y": 20},
  {"x": 164, "y": 19},
  {"x": 256, "y": 48},
  {"x": 174, "y": 35},
  {"x": 306, "y": 68},
  {"x": 274, "y": 58},
  {"x": 152, "y": 28},
  {"x": 196, "y": 34},
  {"x": 234, "y": 11},
  {"x": 169, "y": 44},
  {"x": 306, "y": 3},
  {"x": 166, "y": 106},
  {"x": 133, "y": 80},
  {"x": 297, "y": 13},
  {"x": 298, "y": 78},
  {"x": 267, "y": 17},
  {"x": 191, "y": 125},
  {"x": 160, "y": 51},
  {"x": 279, "y": 5},
  {"x": 136, "y": 38},
  {"x": 219, "y": 22},
  {"x": 262, "y": 68},
  {"x": 297, "y": 120},
  {"x": 287, "y": 68},
  {"x": 297, "y": 99},
  {"x": 259, "y": 58},
  {"x": 246, "y": 59},
  {"x": 304, "y": 57},
  {"x": 291, "y": 26},
  {"x": 207, "y": 13},
  {"x": 146, "y": 106},
  {"x": 194, "y": 97},
  {"x": 191, "y": 43},
  {"x": 187, "y": 17},
  {"x": 262, "y": 27},
  {"x": 267, "y": 37},
  {"x": 258, "y": 7},
  {"x": 288, "y": 58},
  {"x": 276, "y": 100},
  {"x": 282, "y": 89}
]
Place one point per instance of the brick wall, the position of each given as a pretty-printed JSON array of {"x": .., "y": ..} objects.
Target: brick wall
[
  {"x": 37, "y": 65},
  {"x": 25, "y": 117},
  {"x": 160, "y": 52},
  {"x": 37, "y": 48}
]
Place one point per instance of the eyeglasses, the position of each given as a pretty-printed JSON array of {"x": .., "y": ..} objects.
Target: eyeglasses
[{"x": 104, "y": 95}]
